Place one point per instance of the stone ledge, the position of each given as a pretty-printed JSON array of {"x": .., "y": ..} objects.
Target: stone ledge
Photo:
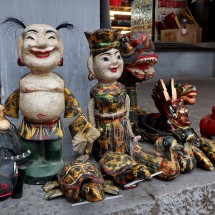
[{"x": 193, "y": 193}]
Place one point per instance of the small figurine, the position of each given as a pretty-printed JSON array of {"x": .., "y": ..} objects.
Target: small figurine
[
  {"x": 163, "y": 158},
  {"x": 42, "y": 98},
  {"x": 12, "y": 160},
  {"x": 79, "y": 181},
  {"x": 137, "y": 51},
  {"x": 109, "y": 106},
  {"x": 122, "y": 168},
  {"x": 207, "y": 125}
]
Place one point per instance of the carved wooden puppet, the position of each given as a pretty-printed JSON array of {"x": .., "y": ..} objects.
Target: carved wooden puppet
[
  {"x": 42, "y": 97},
  {"x": 109, "y": 106},
  {"x": 137, "y": 51}
]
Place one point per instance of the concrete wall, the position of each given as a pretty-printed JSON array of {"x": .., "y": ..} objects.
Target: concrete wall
[
  {"x": 185, "y": 64},
  {"x": 84, "y": 14}
]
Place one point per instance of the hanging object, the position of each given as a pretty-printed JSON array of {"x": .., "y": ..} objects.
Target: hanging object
[
  {"x": 118, "y": 3},
  {"x": 115, "y": 3},
  {"x": 142, "y": 16}
]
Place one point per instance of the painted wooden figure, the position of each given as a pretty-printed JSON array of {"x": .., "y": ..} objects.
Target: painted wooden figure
[
  {"x": 42, "y": 97},
  {"x": 109, "y": 106}
]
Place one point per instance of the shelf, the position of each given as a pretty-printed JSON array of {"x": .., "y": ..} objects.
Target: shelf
[
  {"x": 121, "y": 28},
  {"x": 176, "y": 46},
  {"x": 121, "y": 8},
  {"x": 120, "y": 11}
]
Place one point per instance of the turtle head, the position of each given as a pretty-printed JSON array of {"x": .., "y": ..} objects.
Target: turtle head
[
  {"x": 140, "y": 171},
  {"x": 93, "y": 191}
]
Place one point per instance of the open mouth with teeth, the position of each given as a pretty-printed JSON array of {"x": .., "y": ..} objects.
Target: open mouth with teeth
[
  {"x": 42, "y": 53},
  {"x": 151, "y": 59},
  {"x": 142, "y": 69}
]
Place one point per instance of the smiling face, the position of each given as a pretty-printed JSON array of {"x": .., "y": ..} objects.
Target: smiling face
[
  {"x": 40, "y": 48},
  {"x": 108, "y": 66}
]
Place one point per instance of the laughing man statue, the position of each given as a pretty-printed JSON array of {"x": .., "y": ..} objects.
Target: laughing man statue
[{"x": 42, "y": 97}]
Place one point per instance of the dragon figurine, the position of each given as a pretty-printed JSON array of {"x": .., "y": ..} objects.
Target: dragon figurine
[{"x": 173, "y": 118}]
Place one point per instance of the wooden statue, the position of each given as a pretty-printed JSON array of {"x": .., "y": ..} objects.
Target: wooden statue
[
  {"x": 42, "y": 97},
  {"x": 109, "y": 106}
]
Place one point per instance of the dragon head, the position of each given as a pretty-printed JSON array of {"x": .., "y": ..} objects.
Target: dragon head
[
  {"x": 172, "y": 109},
  {"x": 187, "y": 92},
  {"x": 137, "y": 51}
]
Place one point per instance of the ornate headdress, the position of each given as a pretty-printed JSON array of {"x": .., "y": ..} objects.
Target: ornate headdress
[{"x": 103, "y": 39}]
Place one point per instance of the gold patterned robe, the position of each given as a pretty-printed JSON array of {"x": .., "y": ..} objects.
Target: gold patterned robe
[{"x": 110, "y": 111}]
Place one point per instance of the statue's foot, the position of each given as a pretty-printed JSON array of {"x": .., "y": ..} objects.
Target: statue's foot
[{"x": 41, "y": 172}]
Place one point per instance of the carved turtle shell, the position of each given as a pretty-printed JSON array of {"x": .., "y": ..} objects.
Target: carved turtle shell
[
  {"x": 74, "y": 175},
  {"x": 116, "y": 162}
]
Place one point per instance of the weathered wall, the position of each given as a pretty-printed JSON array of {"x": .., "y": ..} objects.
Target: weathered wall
[
  {"x": 84, "y": 14},
  {"x": 185, "y": 64}
]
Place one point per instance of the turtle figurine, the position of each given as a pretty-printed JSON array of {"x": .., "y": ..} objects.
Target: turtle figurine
[
  {"x": 123, "y": 169},
  {"x": 79, "y": 181}
]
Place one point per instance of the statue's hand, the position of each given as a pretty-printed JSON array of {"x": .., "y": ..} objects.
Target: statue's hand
[
  {"x": 91, "y": 136},
  {"x": 83, "y": 142},
  {"x": 135, "y": 139}
]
